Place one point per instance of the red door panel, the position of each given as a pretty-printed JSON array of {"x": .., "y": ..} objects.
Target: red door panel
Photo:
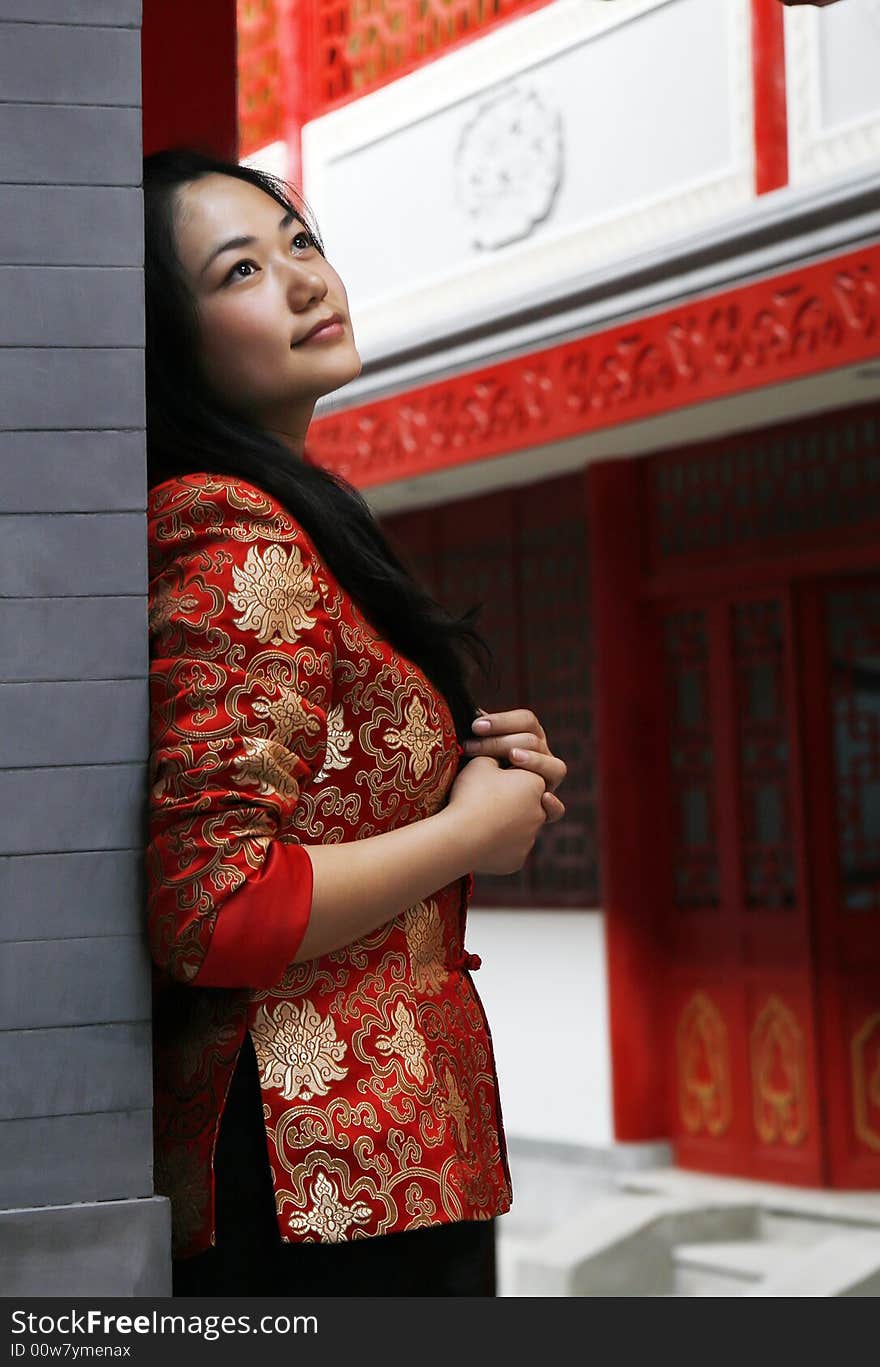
[
  {"x": 840, "y": 631},
  {"x": 740, "y": 1030}
]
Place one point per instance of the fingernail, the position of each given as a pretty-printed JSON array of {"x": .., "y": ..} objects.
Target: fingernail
[
  {"x": 482, "y": 724},
  {"x": 518, "y": 754}
]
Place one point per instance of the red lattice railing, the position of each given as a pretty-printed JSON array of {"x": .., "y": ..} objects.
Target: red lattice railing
[
  {"x": 362, "y": 44},
  {"x": 260, "y": 84},
  {"x": 298, "y": 59}
]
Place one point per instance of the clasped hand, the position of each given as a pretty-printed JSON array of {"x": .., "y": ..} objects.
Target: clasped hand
[{"x": 519, "y": 738}]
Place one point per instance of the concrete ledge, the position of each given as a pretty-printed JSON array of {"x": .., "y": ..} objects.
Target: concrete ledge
[
  {"x": 623, "y": 1246},
  {"x": 843, "y": 1265},
  {"x": 603, "y": 1159},
  {"x": 774, "y": 1199},
  {"x": 114, "y": 1248}
]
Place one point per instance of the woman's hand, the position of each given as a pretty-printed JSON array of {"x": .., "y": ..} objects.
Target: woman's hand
[
  {"x": 519, "y": 738},
  {"x": 498, "y": 813}
]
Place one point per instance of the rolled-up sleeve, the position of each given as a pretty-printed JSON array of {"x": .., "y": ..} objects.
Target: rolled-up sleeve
[{"x": 241, "y": 676}]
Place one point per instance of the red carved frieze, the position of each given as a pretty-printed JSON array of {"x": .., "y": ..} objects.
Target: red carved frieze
[{"x": 817, "y": 318}]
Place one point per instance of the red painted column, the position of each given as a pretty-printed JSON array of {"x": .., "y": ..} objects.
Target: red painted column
[
  {"x": 188, "y": 58},
  {"x": 768, "y": 75},
  {"x": 628, "y": 785}
]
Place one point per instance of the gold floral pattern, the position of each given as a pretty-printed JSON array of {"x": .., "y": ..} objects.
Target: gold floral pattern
[
  {"x": 298, "y": 1051},
  {"x": 288, "y": 715},
  {"x": 865, "y": 1064},
  {"x": 424, "y": 939},
  {"x": 338, "y": 741},
  {"x": 779, "y": 1075},
  {"x": 278, "y": 717},
  {"x": 274, "y": 594},
  {"x": 268, "y": 765},
  {"x": 407, "y": 1042},
  {"x": 418, "y": 736},
  {"x": 329, "y": 1217},
  {"x": 166, "y": 605},
  {"x": 456, "y": 1107},
  {"x": 703, "y": 1056}
]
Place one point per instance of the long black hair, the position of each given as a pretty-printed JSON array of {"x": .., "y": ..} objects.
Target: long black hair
[{"x": 190, "y": 431}]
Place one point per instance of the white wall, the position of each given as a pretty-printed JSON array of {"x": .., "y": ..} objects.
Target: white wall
[{"x": 543, "y": 984}]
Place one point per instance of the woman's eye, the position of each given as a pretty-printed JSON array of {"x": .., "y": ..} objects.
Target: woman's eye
[
  {"x": 235, "y": 273},
  {"x": 242, "y": 270}
]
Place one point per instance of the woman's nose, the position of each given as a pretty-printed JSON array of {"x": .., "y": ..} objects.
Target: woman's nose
[{"x": 305, "y": 287}]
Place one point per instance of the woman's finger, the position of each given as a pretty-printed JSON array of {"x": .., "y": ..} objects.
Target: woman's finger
[
  {"x": 551, "y": 769},
  {"x": 508, "y": 723},
  {"x": 554, "y": 809},
  {"x": 499, "y": 747}
]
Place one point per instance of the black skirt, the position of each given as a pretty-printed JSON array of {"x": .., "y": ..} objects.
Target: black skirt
[{"x": 251, "y": 1259}]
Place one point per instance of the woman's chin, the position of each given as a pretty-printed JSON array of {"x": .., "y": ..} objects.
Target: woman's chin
[{"x": 339, "y": 374}]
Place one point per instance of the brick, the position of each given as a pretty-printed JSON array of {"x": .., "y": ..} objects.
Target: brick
[
  {"x": 74, "y": 722},
  {"x": 48, "y": 811},
  {"x": 73, "y": 638},
  {"x": 69, "y": 145},
  {"x": 75, "y": 1070},
  {"x": 62, "y": 64},
  {"x": 58, "y": 387},
  {"x": 72, "y": 554},
  {"x": 56, "y": 1160},
  {"x": 114, "y": 1248},
  {"x": 124, "y": 13},
  {"x": 73, "y": 472},
  {"x": 96, "y": 981},
  {"x": 50, "y": 896},
  {"x": 71, "y": 306},
  {"x": 71, "y": 225}
]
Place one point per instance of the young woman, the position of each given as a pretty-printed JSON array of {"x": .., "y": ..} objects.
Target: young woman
[{"x": 327, "y": 1115}]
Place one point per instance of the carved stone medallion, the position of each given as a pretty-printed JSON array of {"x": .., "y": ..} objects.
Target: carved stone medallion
[{"x": 508, "y": 165}]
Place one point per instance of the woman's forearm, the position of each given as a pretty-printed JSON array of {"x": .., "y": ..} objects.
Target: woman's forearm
[{"x": 361, "y": 884}]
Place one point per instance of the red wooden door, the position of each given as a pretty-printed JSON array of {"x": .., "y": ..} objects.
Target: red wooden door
[
  {"x": 840, "y": 632},
  {"x": 740, "y": 983}
]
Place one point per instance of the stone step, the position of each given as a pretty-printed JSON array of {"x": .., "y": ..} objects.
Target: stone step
[{"x": 728, "y": 1268}]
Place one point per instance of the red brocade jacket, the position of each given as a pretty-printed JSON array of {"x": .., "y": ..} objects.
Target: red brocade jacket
[{"x": 279, "y": 718}]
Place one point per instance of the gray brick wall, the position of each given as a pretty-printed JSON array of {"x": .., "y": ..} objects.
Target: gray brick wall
[{"x": 77, "y": 1215}]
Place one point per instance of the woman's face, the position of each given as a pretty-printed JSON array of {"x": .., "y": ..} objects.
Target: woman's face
[{"x": 259, "y": 303}]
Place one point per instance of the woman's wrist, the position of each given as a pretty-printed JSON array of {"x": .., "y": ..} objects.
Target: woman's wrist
[{"x": 461, "y": 836}]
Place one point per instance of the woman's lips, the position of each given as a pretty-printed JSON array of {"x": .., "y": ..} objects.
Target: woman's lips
[{"x": 328, "y": 332}]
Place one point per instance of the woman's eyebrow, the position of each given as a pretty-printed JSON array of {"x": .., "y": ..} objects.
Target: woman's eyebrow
[{"x": 234, "y": 242}]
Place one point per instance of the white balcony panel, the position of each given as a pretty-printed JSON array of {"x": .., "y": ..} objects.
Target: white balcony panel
[
  {"x": 565, "y": 139},
  {"x": 833, "y": 89}
]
